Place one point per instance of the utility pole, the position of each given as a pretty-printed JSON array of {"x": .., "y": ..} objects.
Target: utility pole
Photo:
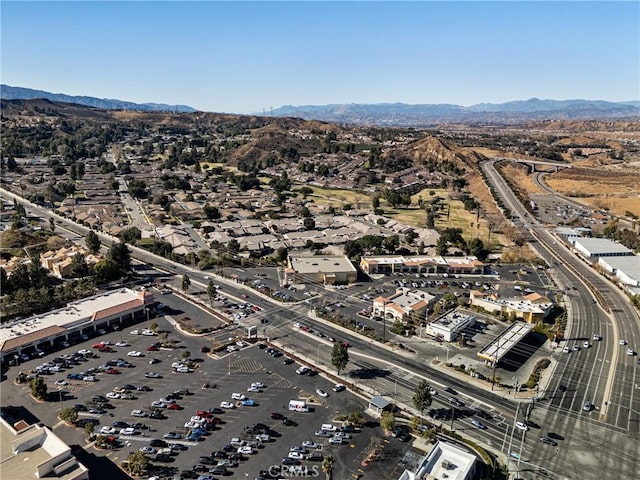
[
  {"x": 453, "y": 416},
  {"x": 495, "y": 365}
]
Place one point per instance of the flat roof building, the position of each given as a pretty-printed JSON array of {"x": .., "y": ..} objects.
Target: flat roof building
[
  {"x": 34, "y": 451},
  {"x": 445, "y": 461},
  {"x": 599, "y": 247},
  {"x": 388, "y": 264},
  {"x": 329, "y": 270},
  {"x": 501, "y": 345},
  {"x": 450, "y": 325},
  {"x": 625, "y": 269},
  {"x": 77, "y": 318}
]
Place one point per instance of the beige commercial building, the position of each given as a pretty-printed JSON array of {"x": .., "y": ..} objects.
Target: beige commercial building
[
  {"x": 531, "y": 308},
  {"x": 404, "y": 305},
  {"x": 103, "y": 311},
  {"x": 328, "y": 270},
  {"x": 419, "y": 264}
]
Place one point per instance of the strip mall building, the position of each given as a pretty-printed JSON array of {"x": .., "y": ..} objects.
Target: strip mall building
[{"x": 84, "y": 317}]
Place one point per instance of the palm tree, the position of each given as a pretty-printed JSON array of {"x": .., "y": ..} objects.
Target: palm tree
[{"x": 327, "y": 466}]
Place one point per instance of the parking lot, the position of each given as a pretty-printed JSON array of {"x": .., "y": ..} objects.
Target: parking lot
[{"x": 234, "y": 428}]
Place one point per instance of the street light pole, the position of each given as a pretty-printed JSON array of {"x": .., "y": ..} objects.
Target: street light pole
[
  {"x": 384, "y": 321},
  {"x": 318, "y": 355},
  {"x": 60, "y": 394}
]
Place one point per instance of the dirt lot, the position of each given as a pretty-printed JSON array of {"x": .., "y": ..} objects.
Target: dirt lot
[{"x": 615, "y": 189}]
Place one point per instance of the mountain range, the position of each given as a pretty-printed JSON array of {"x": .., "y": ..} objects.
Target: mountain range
[
  {"x": 387, "y": 114},
  {"x": 19, "y": 93},
  {"x": 402, "y": 114}
]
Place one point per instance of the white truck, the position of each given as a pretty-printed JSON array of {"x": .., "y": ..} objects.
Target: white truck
[{"x": 298, "y": 406}]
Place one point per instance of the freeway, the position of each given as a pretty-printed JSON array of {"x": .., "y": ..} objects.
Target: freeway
[
  {"x": 606, "y": 438},
  {"x": 596, "y": 444}
]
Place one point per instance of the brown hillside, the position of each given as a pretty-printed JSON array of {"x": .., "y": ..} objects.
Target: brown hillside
[{"x": 443, "y": 150}]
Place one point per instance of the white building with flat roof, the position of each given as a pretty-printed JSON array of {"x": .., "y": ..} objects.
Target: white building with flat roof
[
  {"x": 34, "y": 451},
  {"x": 625, "y": 269},
  {"x": 599, "y": 247},
  {"x": 448, "y": 326},
  {"x": 445, "y": 461}
]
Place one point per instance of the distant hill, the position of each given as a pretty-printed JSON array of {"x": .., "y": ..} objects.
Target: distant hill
[
  {"x": 401, "y": 114},
  {"x": 18, "y": 93}
]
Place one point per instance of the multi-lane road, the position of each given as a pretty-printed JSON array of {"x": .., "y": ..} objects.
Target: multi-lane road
[{"x": 602, "y": 443}]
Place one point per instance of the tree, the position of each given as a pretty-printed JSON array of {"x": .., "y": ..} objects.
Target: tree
[
  {"x": 476, "y": 248},
  {"x": 186, "y": 282},
  {"x": 52, "y": 224},
  {"x": 69, "y": 415},
  {"x": 138, "y": 463},
  {"x": 212, "y": 291},
  {"x": 309, "y": 223},
  {"x": 120, "y": 254},
  {"x": 89, "y": 428},
  {"x": 339, "y": 356},
  {"x": 357, "y": 418},
  {"x": 186, "y": 354},
  {"x": 106, "y": 270},
  {"x": 422, "y": 397},
  {"x": 38, "y": 388},
  {"x": 37, "y": 273},
  {"x": 131, "y": 235},
  {"x": 19, "y": 278},
  {"x": 441, "y": 246},
  {"x": 92, "y": 241},
  {"x": 327, "y": 467},
  {"x": 79, "y": 267},
  {"x": 4, "y": 280},
  {"x": 211, "y": 212},
  {"x": 387, "y": 421}
]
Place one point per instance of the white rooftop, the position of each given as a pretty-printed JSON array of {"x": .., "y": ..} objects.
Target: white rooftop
[
  {"x": 319, "y": 263},
  {"x": 452, "y": 319},
  {"x": 629, "y": 265},
  {"x": 501, "y": 345},
  {"x": 602, "y": 246},
  {"x": 73, "y": 314},
  {"x": 444, "y": 462}
]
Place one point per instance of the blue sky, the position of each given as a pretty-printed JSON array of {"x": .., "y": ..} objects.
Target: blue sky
[{"x": 244, "y": 57}]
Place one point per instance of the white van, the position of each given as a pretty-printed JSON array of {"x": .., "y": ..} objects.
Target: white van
[{"x": 298, "y": 406}]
